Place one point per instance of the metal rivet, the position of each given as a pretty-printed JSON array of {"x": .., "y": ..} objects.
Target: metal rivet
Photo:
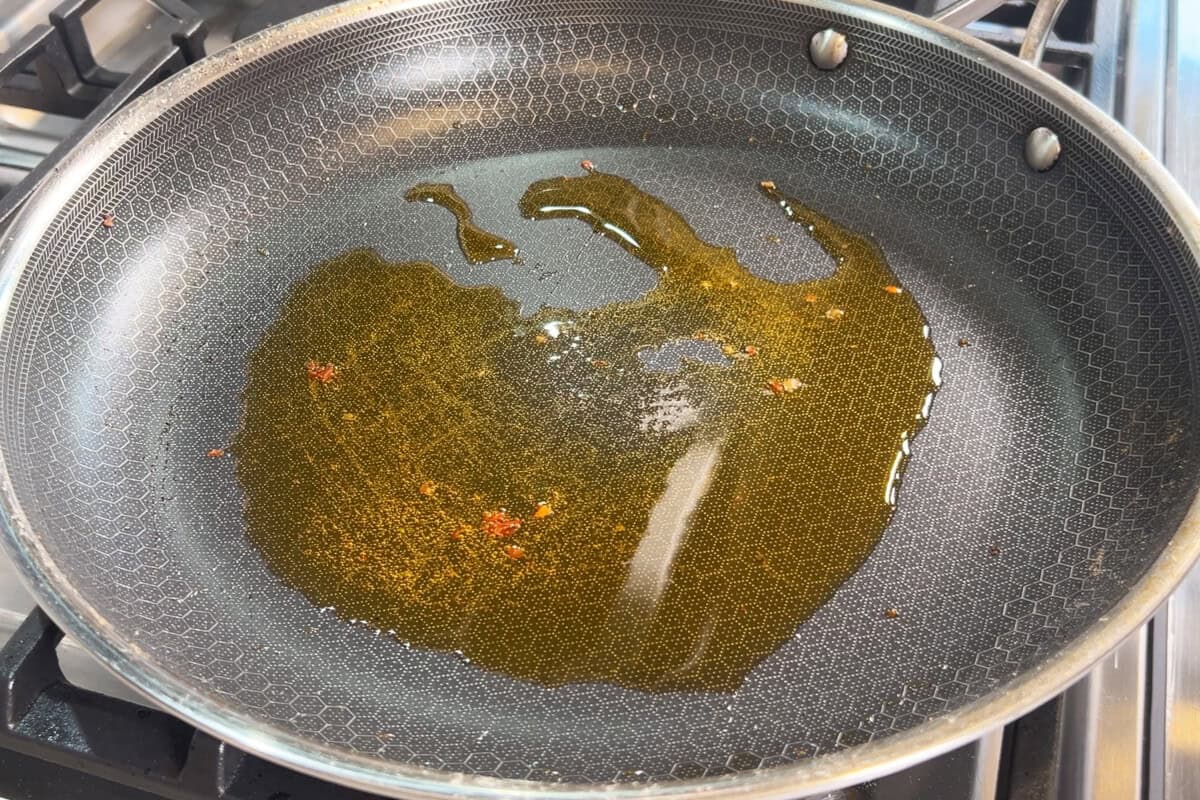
[
  {"x": 828, "y": 48},
  {"x": 1042, "y": 149}
]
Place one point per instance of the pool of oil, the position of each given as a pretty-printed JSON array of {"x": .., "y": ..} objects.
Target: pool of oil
[
  {"x": 478, "y": 245},
  {"x": 525, "y": 491}
]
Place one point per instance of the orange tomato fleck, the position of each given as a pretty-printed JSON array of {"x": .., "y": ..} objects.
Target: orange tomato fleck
[
  {"x": 514, "y": 552},
  {"x": 751, "y": 350},
  {"x": 893, "y": 289},
  {"x": 587, "y": 165},
  {"x": 499, "y": 525},
  {"x": 776, "y": 386},
  {"x": 216, "y": 452},
  {"x": 325, "y": 373},
  {"x": 543, "y": 510},
  {"x": 810, "y": 298},
  {"x": 541, "y": 338},
  {"x": 427, "y": 488},
  {"x": 458, "y": 533},
  {"x": 767, "y": 185},
  {"x": 108, "y": 219}
]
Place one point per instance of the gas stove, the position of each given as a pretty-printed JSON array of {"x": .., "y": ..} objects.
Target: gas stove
[{"x": 1129, "y": 729}]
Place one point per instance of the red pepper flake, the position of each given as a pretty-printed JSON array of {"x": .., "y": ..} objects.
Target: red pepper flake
[
  {"x": 216, "y": 452},
  {"x": 499, "y": 525},
  {"x": 587, "y": 166},
  {"x": 108, "y": 219},
  {"x": 893, "y": 289},
  {"x": 515, "y": 552},
  {"x": 325, "y": 373},
  {"x": 778, "y": 386},
  {"x": 751, "y": 350}
]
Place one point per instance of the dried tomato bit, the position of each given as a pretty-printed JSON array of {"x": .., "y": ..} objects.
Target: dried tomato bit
[
  {"x": 600, "y": 363},
  {"x": 541, "y": 338},
  {"x": 216, "y": 452},
  {"x": 892, "y": 613},
  {"x": 835, "y": 313},
  {"x": 108, "y": 219},
  {"x": 325, "y": 373},
  {"x": 543, "y": 510},
  {"x": 810, "y": 298},
  {"x": 892, "y": 289},
  {"x": 775, "y": 386},
  {"x": 751, "y": 350},
  {"x": 427, "y": 488},
  {"x": 767, "y": 186},
  {"x": 964, "y": 342},
  {"x": 499, "y": 525},
  {"x": 515, "y": 552},
  {"x": 587, "y": 166}
]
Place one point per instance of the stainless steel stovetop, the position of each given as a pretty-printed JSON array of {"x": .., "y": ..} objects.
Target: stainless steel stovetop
[{"x": 1131, "y": 728}]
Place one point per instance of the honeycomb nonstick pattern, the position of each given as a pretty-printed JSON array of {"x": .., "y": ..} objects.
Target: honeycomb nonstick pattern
[{"x": 1058, "y": 459}]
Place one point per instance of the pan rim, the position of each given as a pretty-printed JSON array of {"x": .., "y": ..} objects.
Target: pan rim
[{"x": 136, "y": 667}]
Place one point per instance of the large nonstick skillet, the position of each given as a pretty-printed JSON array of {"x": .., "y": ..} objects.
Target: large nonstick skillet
[{"x": 1047, "y": 510}]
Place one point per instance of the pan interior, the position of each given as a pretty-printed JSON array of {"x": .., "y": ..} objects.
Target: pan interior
[{"x": 1057, "y": 462}]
